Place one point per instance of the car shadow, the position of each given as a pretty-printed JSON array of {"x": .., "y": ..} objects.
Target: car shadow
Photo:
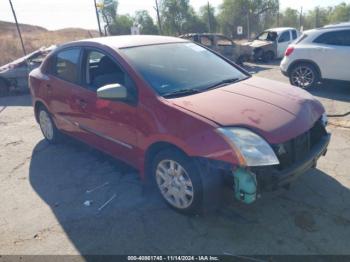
[
  {"x": 16, "y": 100},
  {"x": 256, "y": 67},
  {"x": 120, "y": 218},
  {"x": 335, "y": 90}
]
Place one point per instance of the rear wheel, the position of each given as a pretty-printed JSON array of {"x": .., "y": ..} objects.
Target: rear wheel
[
  {"x": 304, "y": 75},
  {"x": 4, "y": 88},
  {"x": 47, "y": 126}
]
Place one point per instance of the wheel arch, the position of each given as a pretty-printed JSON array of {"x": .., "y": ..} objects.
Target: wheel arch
[
  {"x": 305, "y": 61},
  {"x": 152, "y": 151}
]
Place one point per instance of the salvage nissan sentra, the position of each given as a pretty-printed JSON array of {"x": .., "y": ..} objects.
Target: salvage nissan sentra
[{"x": 183, "y": 115}]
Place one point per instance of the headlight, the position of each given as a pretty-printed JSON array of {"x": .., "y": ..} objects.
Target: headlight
[
  {"x": 324, "y": 119},
  {"x": 252, "y": 150}
]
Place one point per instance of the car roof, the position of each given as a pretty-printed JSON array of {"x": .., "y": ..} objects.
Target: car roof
[
  {"x": 125, "y": 41},
  {"x": 280, "y": 29},
  {"x": 202, "y": 34},
  {"x": 339, "y": 25},
  {"x": 328, "y": 28}
]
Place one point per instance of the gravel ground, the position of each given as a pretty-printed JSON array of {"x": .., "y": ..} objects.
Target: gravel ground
[{"x": 43, "y": 189}]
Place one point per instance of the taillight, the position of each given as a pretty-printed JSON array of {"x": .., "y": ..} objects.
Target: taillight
[{"x": 289, "y": 51}]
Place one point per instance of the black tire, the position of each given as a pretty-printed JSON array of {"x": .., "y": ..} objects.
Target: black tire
[
  {"x": 4, "y": 88},
  {"x": 56, "y": 136},
  {"x": 268, "y": 56},
  {"x": 304, "y": 75},
  {"x": 192, "y": 172},
  {"x": 258, "y": 54}
]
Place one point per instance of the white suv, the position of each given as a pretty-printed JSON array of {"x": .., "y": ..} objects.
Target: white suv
[{"x": 319, "y": 54}]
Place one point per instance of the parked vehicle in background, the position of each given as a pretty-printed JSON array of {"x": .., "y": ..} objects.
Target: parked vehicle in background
[
  {"x": 14, "y": 75},
  {"x": 317, "y": 55},
  {"x": 181, "y": 114},
  {"x": 272, "y": 43},
  {"x": 221, "y": 44}
]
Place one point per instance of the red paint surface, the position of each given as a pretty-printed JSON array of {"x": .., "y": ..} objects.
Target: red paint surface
[{"x": 276, "y": 111}]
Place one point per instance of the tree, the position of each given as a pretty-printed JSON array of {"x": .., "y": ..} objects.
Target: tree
[
  {"x": 290, "y": 18},
  {"x": 250, "y": 14},
  {"x": 317, "y": 17},
  {"x": 207, "y": 15},
  {"x": 143, "y": 18},
  {"x": 122, "y": 25},
  {"x": 108, "y": 10},
  {"x": 193, "y": 23},
  {"x": 340, "y": 13},
  {"x": 178, "y": 17}
]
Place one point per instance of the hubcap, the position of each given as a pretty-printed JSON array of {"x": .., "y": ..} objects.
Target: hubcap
[
  {"x": 46, "y": 124},
  {"x": 174, "y": 184},
  {"x": 303, "y": 76}
]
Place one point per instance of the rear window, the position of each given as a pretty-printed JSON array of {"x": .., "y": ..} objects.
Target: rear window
[
  {"x": 285, "y": 37},
  {"x": 223, "y": 41}
]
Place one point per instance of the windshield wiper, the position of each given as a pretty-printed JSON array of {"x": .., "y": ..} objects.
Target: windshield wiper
[
  {"x": 222, "y": 83},
  {"x": 181, "y": 92}
]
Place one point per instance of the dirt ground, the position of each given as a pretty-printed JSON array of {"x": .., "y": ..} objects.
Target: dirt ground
[{"x": 43, "y": 189}]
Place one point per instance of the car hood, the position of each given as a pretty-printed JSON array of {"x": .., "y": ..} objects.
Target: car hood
[
  {"x": 276, "y": 111},
  {"x": 258, "y": 43}
]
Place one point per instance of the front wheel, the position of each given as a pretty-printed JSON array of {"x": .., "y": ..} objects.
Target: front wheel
[
  {"x": 268, "y": 56},
  {"x": 178, "y": 181},
  {"x": 47, "y": 126},
  {"x": 304, "y": 75}
]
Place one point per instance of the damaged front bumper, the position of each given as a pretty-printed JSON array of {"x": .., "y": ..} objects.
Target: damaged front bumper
[
  {"x": 249, "y": 182},
  {"x": 270, "y": 178}
]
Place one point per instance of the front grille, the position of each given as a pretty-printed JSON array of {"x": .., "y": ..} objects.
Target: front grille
[{"x": 298, "y": 148}]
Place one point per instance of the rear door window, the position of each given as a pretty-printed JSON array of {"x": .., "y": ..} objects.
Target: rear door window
[
  {"x": 223, "y": 41},
  {"x": 285, "y": 37},
  {"x": 338, "y": 38},
  {"x": 67, "y": 65},
  {"x": 294, "y": 34}
]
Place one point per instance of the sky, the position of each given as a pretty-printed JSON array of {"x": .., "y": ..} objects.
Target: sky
[{"x": 57, "y": 14}]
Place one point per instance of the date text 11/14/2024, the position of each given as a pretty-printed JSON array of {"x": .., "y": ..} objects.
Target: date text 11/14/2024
[{"x": 173, "y": 258}]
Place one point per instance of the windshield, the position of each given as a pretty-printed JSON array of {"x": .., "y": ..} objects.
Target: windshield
[
  {"x": 267, "y": 36},
  {"x": 178, "y": 67}
]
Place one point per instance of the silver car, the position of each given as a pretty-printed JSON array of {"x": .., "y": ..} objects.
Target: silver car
[{"x": 14, "y": 75}]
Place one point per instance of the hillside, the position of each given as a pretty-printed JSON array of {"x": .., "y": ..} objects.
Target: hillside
[{"x": 34, "y": 37}]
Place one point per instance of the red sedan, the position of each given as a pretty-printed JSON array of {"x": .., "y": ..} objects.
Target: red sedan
[{"x": 183, "y": 115}]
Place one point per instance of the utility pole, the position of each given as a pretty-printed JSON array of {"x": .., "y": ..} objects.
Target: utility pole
[
  {"x": 158, "y": 18},
  {"x": 248, "y": 25},
  {"x": 18, "y": 30},
  {"x": 278, "y": 14},
  {"x": 301, "y": 18},
  {"x": 98, "y": 19},
  {"x": 209, "y": 23}
]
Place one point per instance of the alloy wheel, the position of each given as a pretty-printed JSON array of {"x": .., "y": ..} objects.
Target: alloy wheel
[{"x": 303, "y": 76}]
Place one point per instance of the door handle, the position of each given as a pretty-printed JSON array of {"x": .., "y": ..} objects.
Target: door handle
[
  {"x": 49, "y": 89},
  {"x": 82, "y": 103}
]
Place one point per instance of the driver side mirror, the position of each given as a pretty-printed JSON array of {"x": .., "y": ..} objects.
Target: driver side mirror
[{"x": 112, "y": 91}]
